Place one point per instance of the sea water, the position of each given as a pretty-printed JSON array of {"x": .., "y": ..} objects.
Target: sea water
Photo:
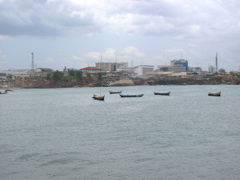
[{"x": 65, "y": 134}]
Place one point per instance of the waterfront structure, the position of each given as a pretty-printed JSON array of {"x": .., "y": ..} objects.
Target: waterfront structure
[
  {"x": 41, "y": 72},
  {"x": 47, "y": 70},
  {"x": 211, "y": 69},
  {"x": 181, "y": 62},
  {"x": 111, "y": 66},
  {"x": 17, "y": 73},
  {"x": 91, "y": 70},
  {"x": 143, "y": 69},
  {"x": 195, "y": 69},
  {"x": 125, "y": 69},
  {"x": 3, "y": 77},
  {"x": 174, "y": 68}
]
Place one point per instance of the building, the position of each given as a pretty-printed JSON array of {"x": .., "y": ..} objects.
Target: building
[
  {"x": 195, "y": 69},
  {"x": 143, "y": 69},
  {"x": 111, "y": 66},
  {"x": 91, "y": 70},
  {"x": 43, "y": 70},
  {"x": 211, "y": 69},
  {"x": 125, "y": 69},
  {"x": 3, "y": 77},
  {"x": 40, "y": 72},
  {"x": 68, "y": 69},
  {"x": 174, "y": 68},
  {"x": 182, "y": 62},
  {"x": 17, "y": 73}
]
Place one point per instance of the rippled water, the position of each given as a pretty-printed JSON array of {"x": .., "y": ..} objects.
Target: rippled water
[{"x": 65, "y": 134}]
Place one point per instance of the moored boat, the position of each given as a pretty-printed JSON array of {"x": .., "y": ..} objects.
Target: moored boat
[
  {"x": 214, "y": 94},
  {"x": 5, "y": 92},
  {"x": 162, "y": 93},
  {"x": 115, "y": 92},
  {"x": 134, "y": 95},
  {"x": 100, "y": 98}
]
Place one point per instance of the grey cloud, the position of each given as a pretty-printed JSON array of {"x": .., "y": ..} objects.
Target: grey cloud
[
  {"x": 39, "y": 18},
  {"x": 170, "y": 18}
]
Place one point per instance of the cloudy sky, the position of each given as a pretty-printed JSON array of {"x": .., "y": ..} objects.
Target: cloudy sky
[{"x": 79, "y": 33}]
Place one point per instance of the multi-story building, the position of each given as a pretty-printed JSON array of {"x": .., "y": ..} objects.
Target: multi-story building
[
  {"x": 175, "y": 68},
  {"x": 182, "y": 62},
  {"x": 143, "y": 69},
  {"x": 111, "y": 66}
]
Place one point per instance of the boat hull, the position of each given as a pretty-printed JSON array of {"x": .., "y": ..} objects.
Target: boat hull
[
  {"x": 115, "y": 92},
  {"x": 100, "y": 98},
  {"x": 214, "y": 94},
  {"x": 163, "y": 93},
  {"x": 136, "y": 95}
]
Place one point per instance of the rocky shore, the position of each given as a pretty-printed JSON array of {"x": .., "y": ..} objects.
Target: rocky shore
[{"x": 67, "y": 83}]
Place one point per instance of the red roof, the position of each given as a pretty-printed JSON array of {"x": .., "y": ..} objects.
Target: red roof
[{"x": 90, "y": 68}]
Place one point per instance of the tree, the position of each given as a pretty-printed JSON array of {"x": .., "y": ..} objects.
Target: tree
[
  {"x": 49, "y": 76},
  {"x": 89, "y": 75},
  {"x": 78, "y": 76},
  {"x": 71, "y": 73},
  {"x": 57, "y": 76},
  {"x": 99, "y": 78}
]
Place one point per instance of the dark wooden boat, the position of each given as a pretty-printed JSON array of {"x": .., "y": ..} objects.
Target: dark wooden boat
[
  {"x": 127, "y": 95},
  {"x": 115, "y": 92},
  {"x": 163, "y": 93},
  {"x": 215, "y": 94},
  {"x": 100, "y": 98}
]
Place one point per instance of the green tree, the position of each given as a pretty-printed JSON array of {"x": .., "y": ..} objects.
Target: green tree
[
  {"x": 89, "y": 75},
  {"x": 71, "y": 73},
  {"x": 78, "y": 76},
  {"x": 49, "y": 76},
  {"x": 57, "y": 76},
  {"x": 99, "y": 77}
]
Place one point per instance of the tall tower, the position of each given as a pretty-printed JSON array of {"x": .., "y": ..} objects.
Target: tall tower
[
  {"x": 216, "y": 64},
  {"x": 32, "y": 62}
]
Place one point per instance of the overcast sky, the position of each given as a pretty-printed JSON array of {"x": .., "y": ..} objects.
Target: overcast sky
[{"x": 78, "y": 33}]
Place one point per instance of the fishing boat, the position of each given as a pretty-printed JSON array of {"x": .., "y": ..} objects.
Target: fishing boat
[
  {"x": 115, "y": 92},
  {"x": 5, "y": 92},
  {"x": 127, "y": 95},
  {"x": 214, "y": 94},
  {"x": 100, "y": 98},
  {"x": 162, "y": 93}
]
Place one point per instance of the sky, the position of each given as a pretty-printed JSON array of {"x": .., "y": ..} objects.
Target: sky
[{"x": 79, "y": 33}]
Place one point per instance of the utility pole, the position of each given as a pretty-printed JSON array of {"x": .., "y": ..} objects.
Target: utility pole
[
  {"x": 32, "y": 62},
  {"x": 216, "y": 64}
]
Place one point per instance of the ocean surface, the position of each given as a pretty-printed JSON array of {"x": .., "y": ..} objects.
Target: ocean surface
[{"x": 63, "y": 134}]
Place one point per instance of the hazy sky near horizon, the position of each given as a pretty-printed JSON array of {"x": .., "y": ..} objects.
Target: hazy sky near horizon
[{"x": 78, "y": 33}]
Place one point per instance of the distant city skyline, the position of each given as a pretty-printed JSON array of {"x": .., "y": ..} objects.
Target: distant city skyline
[{"x": 77, "y": 33}]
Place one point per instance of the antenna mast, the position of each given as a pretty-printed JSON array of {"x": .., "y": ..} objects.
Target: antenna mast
[{"x": 32, "y": 62}]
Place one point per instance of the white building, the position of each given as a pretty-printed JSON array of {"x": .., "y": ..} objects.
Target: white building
[
  {"x": 17, "y": 73},
  {"x": 126, "y": 69},
  {"x": 143, "y": 69},
  {"x": 111, "y": 66}
]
